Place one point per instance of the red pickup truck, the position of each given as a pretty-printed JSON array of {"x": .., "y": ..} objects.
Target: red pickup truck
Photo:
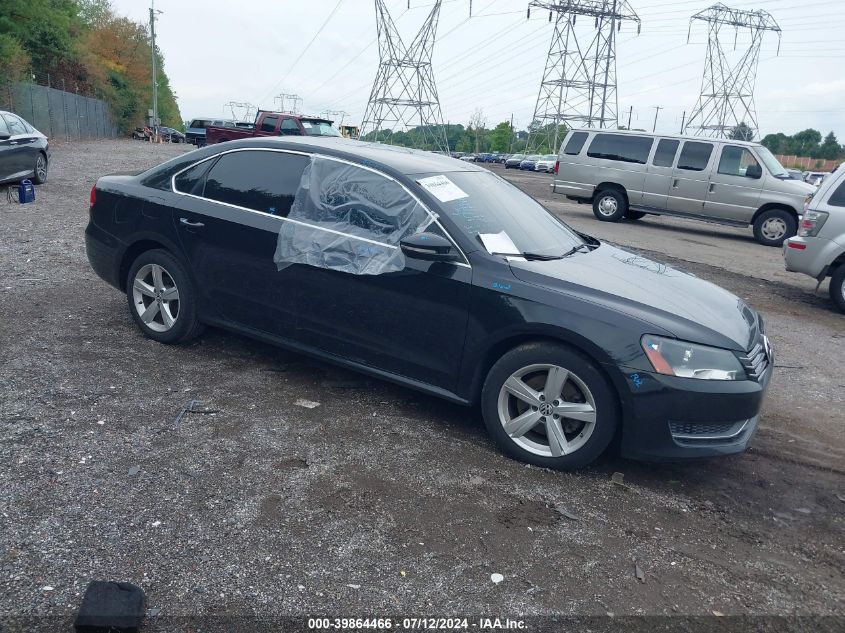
[{"x": 273, "y": 124}]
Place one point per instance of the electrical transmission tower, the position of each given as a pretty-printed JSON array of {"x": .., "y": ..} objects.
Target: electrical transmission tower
[
  {"x": 726, "y": 105},
  {"x": 282, "y": 97},
  {"x": 241, "y": 111},
  {"x": 579, "y": 82},
  {"x": 404, "y": 94}
]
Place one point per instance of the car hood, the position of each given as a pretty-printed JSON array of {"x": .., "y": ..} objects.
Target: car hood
[
  {"x": 681, "y": 303},
  {"x": 797, "y": 187}
]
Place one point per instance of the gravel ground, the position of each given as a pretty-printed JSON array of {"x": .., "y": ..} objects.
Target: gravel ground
[{"x": 380, "y": 501}]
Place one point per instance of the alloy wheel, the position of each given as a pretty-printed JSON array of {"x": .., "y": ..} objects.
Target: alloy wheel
[
  {"x": 156, "y": 297},
  {"x": 547, "y": 410},
  {"x": 607, "y": 205},
  {"x": 773, "y": 229},
  {"x": 41, "y": 167}
]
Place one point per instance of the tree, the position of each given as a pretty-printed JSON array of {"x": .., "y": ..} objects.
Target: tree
[
  {"x": 742, "y": 132},
  {"x": 830, "y": 148},
  {"x": 477, "y": 122},
  {"x": 500, "y": 137}
]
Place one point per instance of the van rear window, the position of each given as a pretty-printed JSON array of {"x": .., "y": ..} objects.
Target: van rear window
[{"x": 621, "y": 147}]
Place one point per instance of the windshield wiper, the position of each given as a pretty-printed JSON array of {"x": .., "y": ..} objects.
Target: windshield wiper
[{"x": 537, "y": 257}]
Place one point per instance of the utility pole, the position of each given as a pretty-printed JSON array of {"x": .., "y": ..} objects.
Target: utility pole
[
  {"x": 630, "y": 113},
  {"x": 153, "y": 13},
  {"x": 510, "y": 139},
  {"x": 683, "y": 119},
  {"x": 657, "y": 110}
]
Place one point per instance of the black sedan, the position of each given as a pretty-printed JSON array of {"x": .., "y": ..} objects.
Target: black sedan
[
  {"x": 440, "y": 276},
  {"x": 513, "y": 161},
  {"x": 171, "y": 135},
  {"x": 24, "y": 151}
]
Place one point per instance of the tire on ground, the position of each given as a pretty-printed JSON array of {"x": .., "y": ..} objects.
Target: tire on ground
[
  {"x": 609, "y": 205},
  {"x": 604, "y": 395},
  {"x": 773, "y": 218},
  {"x": 837, "y": 287},
  {"x": 187, "y": 325}
]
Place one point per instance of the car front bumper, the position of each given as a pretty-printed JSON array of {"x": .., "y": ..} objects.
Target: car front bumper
[
  {"x": 810, "y": 255},
  {"x": 671, "y": 418}
]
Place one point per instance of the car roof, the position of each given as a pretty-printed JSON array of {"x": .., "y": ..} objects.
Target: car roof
[{"x": 403, "y": 160}]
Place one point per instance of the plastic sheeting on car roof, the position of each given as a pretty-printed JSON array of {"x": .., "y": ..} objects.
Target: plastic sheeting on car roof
[{"x": 349, "y": 219}]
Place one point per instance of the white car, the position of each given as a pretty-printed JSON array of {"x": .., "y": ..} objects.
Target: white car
[
  {"x": 815, "y": 177},
  {"x": 819, "y": 248},
  {"x": 470, "y": 158},
  {"x": 546, "y": 164}
]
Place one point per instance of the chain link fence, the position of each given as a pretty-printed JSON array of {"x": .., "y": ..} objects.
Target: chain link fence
[{"x": 57, "y": 113}]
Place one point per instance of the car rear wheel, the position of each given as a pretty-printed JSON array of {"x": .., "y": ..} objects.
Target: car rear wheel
[
  {"x": 40, "y": 169},
  {"x": 774, "y": 226},
  {"x": 162, "y": 299},
  {"x": 837, "y": 287},
  {"x": 609, "y": 205},
  {"x": 545, "y": 404}
]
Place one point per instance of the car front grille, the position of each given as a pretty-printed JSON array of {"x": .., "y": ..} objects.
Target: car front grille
[{"x": 756, "y": 362}]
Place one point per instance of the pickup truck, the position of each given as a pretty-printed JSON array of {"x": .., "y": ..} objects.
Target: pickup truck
[{"x": 273, "y": 124}]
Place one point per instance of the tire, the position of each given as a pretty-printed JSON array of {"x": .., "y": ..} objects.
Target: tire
[
  {"x": 584, "y": 391},
  {"x": 174, "y": 320},
  {"x": 609, "y": 205},
  {"x": 773, "y": 227},
  {"x": 837, "y": 287},
  {"x": 40, "y": 169},
  {"x": 634, "y": 215}
]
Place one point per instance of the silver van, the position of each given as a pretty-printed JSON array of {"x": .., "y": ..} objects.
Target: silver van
[{"x": 628, "y": 174}]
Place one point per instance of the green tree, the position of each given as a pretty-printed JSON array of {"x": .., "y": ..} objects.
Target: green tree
[
  {"x": 830, "y": 148},
  {"x": 742, "y": 132},
  {"x": 500, "y": 137}
]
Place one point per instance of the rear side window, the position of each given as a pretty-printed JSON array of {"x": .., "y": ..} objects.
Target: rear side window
[
  {"x": 258, "y": 180},
  {"x": 289, "y": 128},
  {"x": 198, "y": 124},
  {"x": 695, "y": 156},
  {"x": 664, "y": 156},
  {"x": 837, "y": 198},
  {"x": 192, "y": 180},
  {"x": 4, "y": 129},
  {"x": 621, "y": 147},
  {"x": 575, "y": 143},
  {"x": 269, "y": 124}
]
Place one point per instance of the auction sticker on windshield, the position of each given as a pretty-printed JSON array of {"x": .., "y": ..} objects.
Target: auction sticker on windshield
[{"x": 442, "y": 188}]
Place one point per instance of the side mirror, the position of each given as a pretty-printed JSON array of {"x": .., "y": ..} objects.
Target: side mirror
[
  {"x": 429, "y": 247},
  {"x": 754, "y": 171}
]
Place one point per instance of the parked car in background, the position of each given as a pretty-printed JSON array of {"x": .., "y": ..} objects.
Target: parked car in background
[
  {"x": 24, "y": 151},
  {"x": 546, "y": 163},
  {"x": 170, "y": 135},
  {"x": 195, "y": 130},
  {"x": 529, "y": 162},
  {"x": 269, "y": 123},
  {"x": 819, "y": 248},
  {"x": 469, "y": 158},
  {"x": 566, "y": 343},
  {"x": 627, "y": 175},
  {"x": 795, "y": 174},
  {"x": 502, "y": 158},
  {"x": 514, "y": 161},
  {"x": 815, "y": 178}
]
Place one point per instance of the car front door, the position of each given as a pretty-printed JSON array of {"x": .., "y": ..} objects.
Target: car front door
[
  {"x": 691, "y": 178},
  {"x": 359, "y": 297},
  {"x": 658, "y": 178},
  {"x": 735, "y": 185},
  {"x": 228, "y": 216}
]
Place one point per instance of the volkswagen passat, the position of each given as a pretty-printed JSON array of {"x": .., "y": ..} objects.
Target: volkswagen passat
[{"x": 440, "y": 276}]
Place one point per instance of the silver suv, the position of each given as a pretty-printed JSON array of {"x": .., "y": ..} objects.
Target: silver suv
[
  {"x": 630, "y": 174},
  {"x": 819, "y": 248}
]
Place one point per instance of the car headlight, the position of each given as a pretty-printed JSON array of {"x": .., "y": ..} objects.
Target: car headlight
[{"x": 688, "y": 360}]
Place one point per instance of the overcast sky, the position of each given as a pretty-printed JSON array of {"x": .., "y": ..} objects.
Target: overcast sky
[{"x": 220, "y": 51}]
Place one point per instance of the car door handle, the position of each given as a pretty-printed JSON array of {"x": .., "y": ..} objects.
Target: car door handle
[
  {"x": 13, "y": 142},
  {"x": 189, "y": 224},
  {"x": 712, "y": 188},
  {"x": 675, "y": 183}
]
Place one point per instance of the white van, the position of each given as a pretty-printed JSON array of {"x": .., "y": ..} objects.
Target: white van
[{"x": 627, "y": 174}]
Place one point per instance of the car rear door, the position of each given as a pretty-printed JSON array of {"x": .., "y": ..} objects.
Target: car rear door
[
  {"x": 228, "y": 218},
  {"x": 658, "y": 178},
  {"x": 19, "y": 147},
  {"x": 733, "y": 193},
  {"x": 691, "y": 178},
  {"x": 7, "y": 156}
]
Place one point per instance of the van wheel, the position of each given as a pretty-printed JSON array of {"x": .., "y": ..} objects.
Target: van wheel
[
  {"x": 774, "y": 226},
  {"x": 634, "y": 215},
  {"x": 609, "y": 205},
  {"x": 837, "y": 287},
  {"x": 545, "y": 404}
]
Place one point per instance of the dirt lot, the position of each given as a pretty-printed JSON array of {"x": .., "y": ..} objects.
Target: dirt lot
[{"x": 380, "y": 501}]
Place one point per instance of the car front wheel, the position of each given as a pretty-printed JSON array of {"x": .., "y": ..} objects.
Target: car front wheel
[
  {"x": 162, "y": 299},
  {"x": 837, "y": 287},
  {"x": 547, "y": 405},
  {"x": 774, "y": 226}
]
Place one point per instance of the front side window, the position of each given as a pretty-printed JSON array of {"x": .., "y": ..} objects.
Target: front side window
[
  {"x": 258, "y": 180},
  {"x": 493, "y": 205},
  {"x": 349, "y": 219},
  {"x": 199, "y": 124},
  {"x": 16, "y": 126},
  {"x": 621, "y": 147},
  {"x": 695, "y": 156},
  {"x": 268, "y": 124},
  {"x": 575, "y": 143},
  {"x": 289, "y": 128},
  {"x": 664, "y": 155},
  {"x": 736, "y": 160}
]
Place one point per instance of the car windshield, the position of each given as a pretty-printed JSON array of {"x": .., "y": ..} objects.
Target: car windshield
[
  {"x": 771, "y": 162},
  {"x": 549, "y": 157},
  {"x": 318, "y": 128},
  {"x": 520, "y": 156},
  {"x": 493, "y": 205}
]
